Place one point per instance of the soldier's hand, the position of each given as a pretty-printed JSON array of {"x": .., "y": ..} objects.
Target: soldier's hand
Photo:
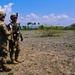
[{"x": 21, "y": 38}]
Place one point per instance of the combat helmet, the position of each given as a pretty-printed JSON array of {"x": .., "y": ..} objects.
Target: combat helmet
[
  {"x": 13, "y": 16},
  {"x": 2, "y": 14}
]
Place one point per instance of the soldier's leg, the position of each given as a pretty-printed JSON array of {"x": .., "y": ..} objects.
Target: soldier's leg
[
  {"x": 12, "y": 52},
  {"x": 17, "y": 54},
  {"x": 12, "y": 57},
  {"x": 11, "y": 48},
  {"x": 17, "y": 51},
  {"x": 4, "y": 62},
  {"x": 0, "y": 60}
]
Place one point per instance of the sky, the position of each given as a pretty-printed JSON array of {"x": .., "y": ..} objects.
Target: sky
[{"x": 48, "y": 12}]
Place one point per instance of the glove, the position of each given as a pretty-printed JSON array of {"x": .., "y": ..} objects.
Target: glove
[{"x": 21, "y": 38}]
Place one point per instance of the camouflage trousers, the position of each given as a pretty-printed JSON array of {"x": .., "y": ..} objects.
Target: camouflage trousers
[
  {"x": 14, "y": 50},
  {"x": 3, "y": 54}
]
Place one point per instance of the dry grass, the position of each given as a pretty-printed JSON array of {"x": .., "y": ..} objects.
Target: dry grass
[{"x": 45, "y": 55}]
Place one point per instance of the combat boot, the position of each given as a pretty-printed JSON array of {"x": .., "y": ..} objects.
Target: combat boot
[
  {"x": 6, "y": 69},
  {"x": 17, "y": 60},
  {"x": 14, "y": 62}
]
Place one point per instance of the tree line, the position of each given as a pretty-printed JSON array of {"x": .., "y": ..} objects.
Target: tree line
[{"x": 30, "y": 26}]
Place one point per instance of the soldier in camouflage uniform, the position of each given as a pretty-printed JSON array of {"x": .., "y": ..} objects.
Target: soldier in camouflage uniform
[
  {"x": 14, "y": 44},
  {"x": 4, "y": 36}
]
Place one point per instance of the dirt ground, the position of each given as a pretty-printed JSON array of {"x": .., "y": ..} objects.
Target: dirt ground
[{"x": 45, "y": 55}]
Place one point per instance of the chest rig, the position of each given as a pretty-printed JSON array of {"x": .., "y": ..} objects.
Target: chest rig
[{"x": 14, "y": 28}]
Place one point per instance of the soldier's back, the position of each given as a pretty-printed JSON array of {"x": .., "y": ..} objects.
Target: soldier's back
[{"x": 3, "y": 31}]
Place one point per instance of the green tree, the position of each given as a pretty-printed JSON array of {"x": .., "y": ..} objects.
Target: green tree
[
  {"x": 41, "y": 27},
  {"x": 24, "y": 27},
  {"x": 38, "y": 23}
]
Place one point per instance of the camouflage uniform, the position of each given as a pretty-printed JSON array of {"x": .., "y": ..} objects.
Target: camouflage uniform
[
  {"x": 14, "y": 44},
  {"x": 4, "y": 36}
]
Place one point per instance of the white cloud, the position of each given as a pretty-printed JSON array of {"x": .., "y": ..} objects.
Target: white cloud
[
  {"x": 62, "y": 16},
  {"x": 7, "y": 8},
  {"x": 53, "y": 15},
  {"x": 45, "y": 17},
  {"x": 53, "y": 19},
  {"x": 59, "y": 16},
  {"x": 28, "y": 16},
  {"x": 32, "y": 15}
]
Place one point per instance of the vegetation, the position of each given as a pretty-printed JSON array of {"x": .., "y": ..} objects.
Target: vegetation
[
  {"x": 48, "y": 30},
  {"x": 68, "y": 28},
  {"x": 42, "y": 27}
]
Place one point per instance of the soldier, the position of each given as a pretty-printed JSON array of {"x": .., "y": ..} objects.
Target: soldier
[
  {"x": 4, "y": 36},
  {"x": 14, "y": 43}
]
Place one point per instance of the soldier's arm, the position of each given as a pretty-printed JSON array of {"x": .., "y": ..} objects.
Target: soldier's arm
[
  {"x": 5, "y": 31},
  {"x": 20, "y": 34},
  {"x": 9, "y": 28}
]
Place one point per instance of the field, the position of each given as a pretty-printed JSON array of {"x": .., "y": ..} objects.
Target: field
[{"x": 45, "y": 55}]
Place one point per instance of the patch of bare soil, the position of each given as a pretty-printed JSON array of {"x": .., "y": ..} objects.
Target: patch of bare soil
[{"x": 45, "y": 55}]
